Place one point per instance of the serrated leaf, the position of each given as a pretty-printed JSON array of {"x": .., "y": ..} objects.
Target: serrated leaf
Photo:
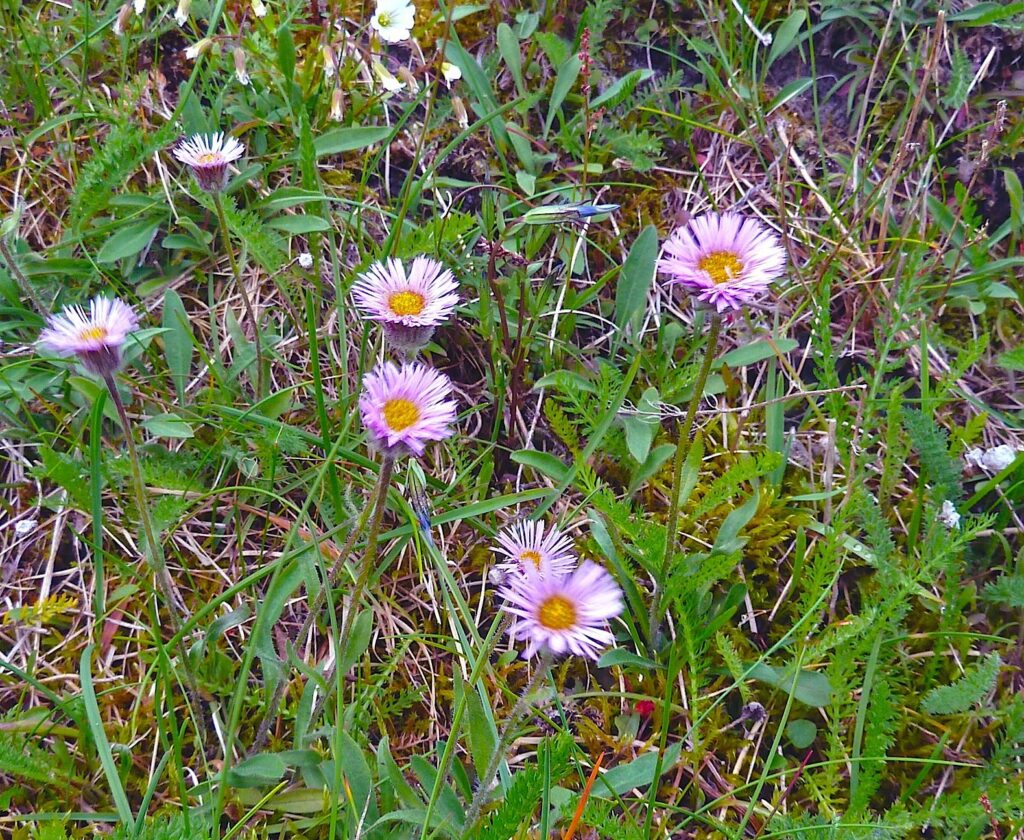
[{"x": 966, "y": 692}]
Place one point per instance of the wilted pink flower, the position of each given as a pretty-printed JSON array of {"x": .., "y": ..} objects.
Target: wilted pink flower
[
  {"x": 525, "y": 543},
  {"x": 208, "y": 157},
  {"x": 562, "y": 613},
  {"x": 96, "y": 339},
  {"x": 725, "y": 260},
  {"x": 406, "y": 408},
  {"x": 409, "y": 305}
]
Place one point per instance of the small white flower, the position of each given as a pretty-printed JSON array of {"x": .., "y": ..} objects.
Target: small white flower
[
  {"x": 386, "y": 78},
  {"x": 948, "y": 515},
  {"x": 258, "y": 8},
  {"x": 181, "y": 14},
  {"x": 140, "y": 6},
  {"x": 241, "y": 73},
  {"x": 450, "y": 72},
  {"x": 306, "y": 260},
  {"x": 393, "y": 20},
  {"x": 25, "y": 526}
]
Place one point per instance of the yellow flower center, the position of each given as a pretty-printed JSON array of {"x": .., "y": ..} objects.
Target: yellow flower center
[
  {"x": 92, "y": 334},
  {"x": 400, "y": 414},
  {"x": 208, "y": 157},
  {"x": 531, "y": 556},
  {"x": 557, "y": 613},
  {"x": 406, "y": 303},
  {"x": 384, "y": 20},
  {"x": 721, "y": 266}
]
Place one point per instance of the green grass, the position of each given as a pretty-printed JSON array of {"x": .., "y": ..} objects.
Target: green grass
[{"x": 814, "y": 654}]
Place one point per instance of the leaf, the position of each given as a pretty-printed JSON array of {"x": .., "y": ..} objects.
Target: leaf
[
  {"x": 298, "y": 225},
  {"x": 967, "y": 691},
  {"x": 626, "y": 658},
  {"x": 286, "y": 51},
  {"x": 756, "y": 351},
  {"x": 1012, "y": 359},
  {"x": 801, "y": 733},
  {"x": 543, "y": 462},
  {"x": 349, "y": 139},
  {"x": 785, "y": 36},
  {"x": 727, "y": 540},
  {"x": 169, "y": 426},
  {"x": 636, "y": 277},
  {"x": 641, "y": 428},
  {"x": 128, "y": 241},
  {"x": 358, "y": 641},
  {"x": 812, "y": 688},
  {"x": 178, "y": 341},
  {"x": 99, "y": 736},
  {"x": 568, "y": 72},
  {"x": 483, "y": 739},
  {"x": 637, "y": 773},
  {"x": 257, "y": 771},
  {"x": 620, "y": 89},
  {"x": 1007, "y": 590},
  {"x": 508, "y": 46}
]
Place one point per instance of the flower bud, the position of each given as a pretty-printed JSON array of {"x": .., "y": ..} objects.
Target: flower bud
[
  {"x": 181, "y": 14},
  {"x": 240, "y": 72},
  {"x": 337, "y": 105}
]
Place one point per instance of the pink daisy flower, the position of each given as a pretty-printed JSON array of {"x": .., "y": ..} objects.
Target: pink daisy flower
[
  {"x": 526, "y": 543},
  {"x": 725, "y": 260},
  {"x": 562, "y": 613},
  {"x": 96, "y": 339},
  {"x": 406, "y": 408},
  {"x": 410, "y": 304},
  {"x": 208, "y": 157}
]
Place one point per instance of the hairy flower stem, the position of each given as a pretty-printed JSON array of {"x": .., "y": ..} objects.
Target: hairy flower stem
[
  {"x": 521, "y": 707},
  {"x": 249, "y": 311},
  {"x": 263, "y": 731},
  {"x": 156, "y": 553},
  {"x": 682, "y": 451},
  {"x": 369, "y": 560},
  {"x": 22, "y": 280}
]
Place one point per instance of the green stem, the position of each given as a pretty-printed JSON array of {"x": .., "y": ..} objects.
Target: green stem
[
  {"x": 682, "y": 450},
  {"x": 22, "y": 280},
  {"x": 249, "y": 311},
  {"x": 521, "y": 707},
  {"x": 369, "y": 559}
]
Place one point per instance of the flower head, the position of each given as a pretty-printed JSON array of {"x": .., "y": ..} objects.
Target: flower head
[
  {"x": 406, "y": 408},
  {"x": 394, "y": 20},
  {"x": 208, "y": 157},
  {"x": 96, "y": 339},
  {"x": 562, "y": 613},
  {"x": 409, "y": 304},
  {"x": 526, "y": 543},
  {"x": 726, "y": 260},
  {"x": 387, "y": 79},
  {"x": 181, "y": 13}
]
